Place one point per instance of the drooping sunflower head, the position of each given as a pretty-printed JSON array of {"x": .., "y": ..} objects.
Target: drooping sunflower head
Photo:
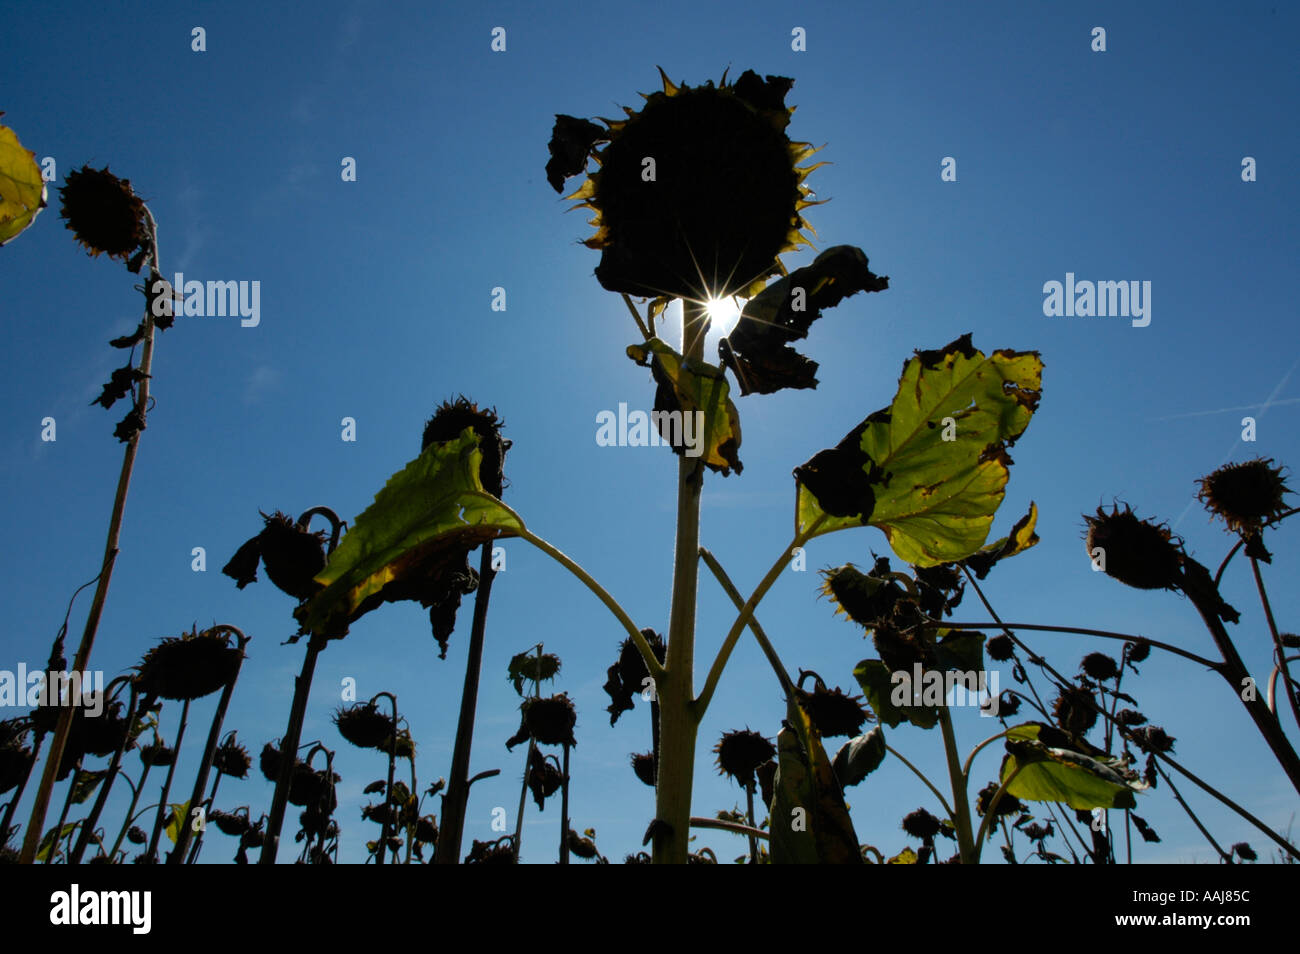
[
  {"x": 231, "y": 758},
  {"x": 105, "y": 214},
  {"x": 697, "y": 193},
  {"x": 364, "y": 725},
  {"x": 1244, "y": 494},
  {"x": 1137, "y": 552},
  {"x": 741, "y": 752},
  {"x": 190, "y": 666}
]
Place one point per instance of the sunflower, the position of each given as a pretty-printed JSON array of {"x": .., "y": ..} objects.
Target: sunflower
[
  {"x": 1138, "y": 552},
  {"x": 364, "y": 725},
  {"x": 1245, "y": 494},
  {"x": 697, "y": 193},
  {"x": 741, "y": 752},
  {"x": 105, "y": 214},
  {"x": 189, "y": 667}
]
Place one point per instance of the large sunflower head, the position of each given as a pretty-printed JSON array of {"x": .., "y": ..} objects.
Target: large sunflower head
[
  {"x": 697, "y": 193},
  {"x": 105, "y": 214}
]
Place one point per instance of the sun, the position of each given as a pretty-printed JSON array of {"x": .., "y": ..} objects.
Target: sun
[{"x": 723, "y": 315}]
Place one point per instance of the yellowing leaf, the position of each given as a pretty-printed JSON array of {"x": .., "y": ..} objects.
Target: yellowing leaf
[
  {"x": 698, "y": 389},
  {"x": 931, "y": 469},
  {"x": 433, "y": 505},
  {"x": 22, "y": 190}
]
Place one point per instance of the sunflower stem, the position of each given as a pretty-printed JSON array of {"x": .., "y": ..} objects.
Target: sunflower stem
[
  {"x": 388, "y": 791},
  {"x": 130, "y": 809},
  {"x": 1288, "y": 684},
  {"x": 678, "y": 722},
  {"x": 961, "y": 804},
  {"x": 183, "y": 836},
  {"x": 107, "y": 783},
  {"x": 454, "y": 805},
  {"x": 163, "y": 807},
  {"x": 36, "y": 823},
  {"x": 289, "y": 750},
  {"x": 564, "y": 809}
]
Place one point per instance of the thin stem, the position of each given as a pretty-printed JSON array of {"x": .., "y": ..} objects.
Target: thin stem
[
  {"x": 1287, "y": 682},
  {"x": 528, "y": 764},
  {"x": 388, "y": 791},
  {"x": 564, "y": 809},
  {"x": 749, "y": 814},
  {"x": 167, "y": 785},
  {"x": 965, "y": 769},
  {"x": 457, "y": 800},
  {"x": 1066, "y": 826},
  {"x": 1192, "y": 815},
  {"x": 787, "y": 685},
  {"x": 63, "y": 814},
  {"x": 110, "y": 777},
  {"x": 130, "y": 809},
  {"x": 651, "y": 661},
  {"x": 718, "y": 823},
  {"x": 35, "y": 825},
  {"x": 991, "y": 811},
  {"x": 207, "y": 808},
  {"x": 183, "y": 836},
  {"x": 289, "y": 750},
  {"x": 645, "y": 332},
  {"x": 922, "y": 776},
  {"x": 1242, "y": 541},
  {"x": 1104, "y": 634},
  {"x": 1272, "y": 685},
  {"x": 747, "y": 611},
  {"x": 962, "y": 820}
]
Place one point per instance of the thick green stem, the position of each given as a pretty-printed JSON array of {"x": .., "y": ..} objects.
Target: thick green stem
[
  {"x": 454, "y": 805},
  {"x": 961, "y": 804},
  {"x": 678, "y": 723}
]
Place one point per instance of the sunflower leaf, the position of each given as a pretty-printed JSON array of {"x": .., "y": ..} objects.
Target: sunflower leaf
[
  {"x": 878, "y": 685},
  {"x": 180, "y": 815},
  {"x": 1047, "y": 774},
  {"x": 1021, "y": 538},
  {"x": 758, "y": 349},
  {"x": 22, "y": 188},
  {"x": 688, "y": 388},
  {"x": 931, "y": 469},
  {"x": 810, "y": 822},
  {"x": 428, "y": 512}
]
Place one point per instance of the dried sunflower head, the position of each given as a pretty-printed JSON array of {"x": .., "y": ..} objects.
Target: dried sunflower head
[
  {"x": 189, "y": 667},
  {"x": 1245, "y": 494},
  {"x": 921, "y": 824},
  {"x": 550, "y": 721},
  {"x": 136, "y": 836},
  {"x": 643, "y": 766},
  {"x": 157, "y": 754},
  {"x": 364, "y": 725},
  {"x": 450, "y": 420},
  {"x": 544, "y": 778},
  {"x": 15, "y": 762},
  {"x": 1134, "y": 551},
  {"x": 832, "y": 712},
  {"x": 741, "y": 752},
  {"x": 1073, "y": 712},
  {"x": 697, "y": 193},
  {"x": 104, "y": 213},
  {"x": 231, "y": 758},
  {"x": 230, "y": 823},
  {"x": 1099, "y": 666}
]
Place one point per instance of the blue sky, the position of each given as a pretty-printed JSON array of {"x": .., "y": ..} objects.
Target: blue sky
[{"x": 375, "y": 304}]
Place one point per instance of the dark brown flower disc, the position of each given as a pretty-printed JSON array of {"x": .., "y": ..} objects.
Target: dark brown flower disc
[
  {"x": 1245, "y": 495},
  {"x": 364, "y": 725},
  {"x": 292, "y": 556},
  {"x": 741, "y": 752},
  {"x": 189, "y": 667},
  {"x": 1136, "y": 552},
  {"x": 551, "y": 720},
  {"x": 832, "y": 712},
  {"x": 103, "y": 212}
]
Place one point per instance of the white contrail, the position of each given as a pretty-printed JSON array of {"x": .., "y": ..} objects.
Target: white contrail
[
  {"x": 1225, "y": 410},
  {"x": 1263, "y": 409}
]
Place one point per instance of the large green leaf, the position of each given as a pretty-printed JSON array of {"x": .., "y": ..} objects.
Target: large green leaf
[
  {"x": 434, "y": 505},
  {"x": 1054, "y": 774},
  {"x": 687, "y": 386},
  {"x": 878, "y": 685},
  {"x": 810, "y": 822},
  {"x": 22, "y": 188},
  {"x": 933, "y": 498},
  {"x": 54, "y": 837}
]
